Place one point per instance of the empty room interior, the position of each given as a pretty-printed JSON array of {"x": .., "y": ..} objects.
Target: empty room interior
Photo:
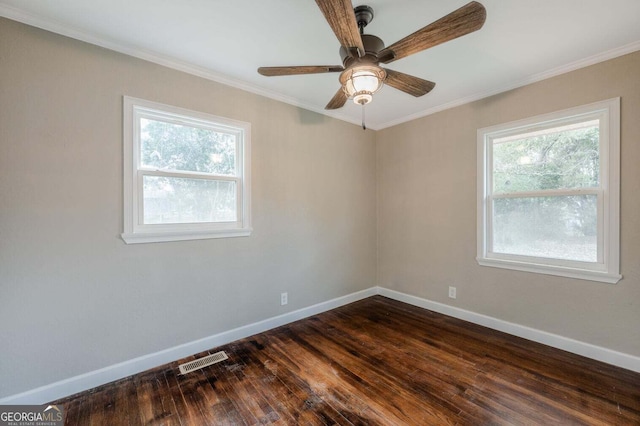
[{"x": 329, "y": 212}]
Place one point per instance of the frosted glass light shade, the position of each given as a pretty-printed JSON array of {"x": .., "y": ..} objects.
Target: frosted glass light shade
[{"x": 361, "y": 83}]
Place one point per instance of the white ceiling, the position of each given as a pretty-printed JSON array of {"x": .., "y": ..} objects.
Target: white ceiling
[{"x": 227, "y": 40}]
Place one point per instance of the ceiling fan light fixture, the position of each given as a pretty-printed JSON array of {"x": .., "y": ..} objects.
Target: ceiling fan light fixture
[
  {"x": 360, "y": 75},
  {"x": 361, "y": 82}
]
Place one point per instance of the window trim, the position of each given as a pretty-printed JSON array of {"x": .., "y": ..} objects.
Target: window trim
[
  {"x": 607, "y": 269},
  {"x": 134, "y": 230}
]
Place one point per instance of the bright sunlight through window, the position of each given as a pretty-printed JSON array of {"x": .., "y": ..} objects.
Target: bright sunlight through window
[
  {"x": 186, "y": 174},
  {"x": 548, "y": 193}
]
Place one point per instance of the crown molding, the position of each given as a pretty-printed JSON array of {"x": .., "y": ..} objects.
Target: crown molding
[
  {"x": 534, "y": 78},
  {"x": 150, "y": 56},
  {"x": 18, "y": 15}
]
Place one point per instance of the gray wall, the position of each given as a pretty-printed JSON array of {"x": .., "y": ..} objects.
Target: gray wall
[
  {"x": 427, "y": 213},
  {"x": 73, "y": 297}
]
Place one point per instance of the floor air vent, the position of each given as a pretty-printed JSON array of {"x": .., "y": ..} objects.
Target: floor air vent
[{"x": 202, "y": 362}]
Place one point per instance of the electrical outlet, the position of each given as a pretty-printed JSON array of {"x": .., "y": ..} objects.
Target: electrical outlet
[
  {"x": 284, "y": 298},
  {"x": 452, "y": 292}
]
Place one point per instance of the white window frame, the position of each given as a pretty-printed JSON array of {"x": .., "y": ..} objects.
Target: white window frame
[
  {"x": 135, "y": 231},
  {"x": 607, "y": 267}
]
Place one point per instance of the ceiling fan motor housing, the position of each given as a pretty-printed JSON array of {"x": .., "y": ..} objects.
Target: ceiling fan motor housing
[{"x": 372, "y": 45}]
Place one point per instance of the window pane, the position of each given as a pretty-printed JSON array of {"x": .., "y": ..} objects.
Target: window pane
[
  {"x": 559, "y": 158},
  {"x": 168, "y": 146},
  {"x": 181, "y": 200},
  {"x": 562, "y": 227}
]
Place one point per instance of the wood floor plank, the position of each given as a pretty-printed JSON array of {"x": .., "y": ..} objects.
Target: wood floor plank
[
  {"x": 307, "y": 406},
  {"x": 127, "y": 403},
  {"x": 72, "y": 411},
  {"x": 85, "y": 408},
  {"x": 188, "y": 405},
  {"x": 321, "y": 379},
  {"x": 241, "y": 404},
  {"x": 373, "y": 362},
  {"x": 105, "y": 413},
  {"x": 242, "y": 388},
  {"x": 264, "y": 377},
  {"x": 155, "y": 405},
  {"x": 563, "y": 397},
  {"x": 349, "y": 361}
]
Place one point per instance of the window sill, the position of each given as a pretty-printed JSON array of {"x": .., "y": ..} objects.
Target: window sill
[
  {"x": 561, "y": 271},
  {"x": 157, "y": 237}
]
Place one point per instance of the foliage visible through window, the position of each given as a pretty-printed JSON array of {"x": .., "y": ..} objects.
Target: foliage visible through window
[
  {"x": 188, "y": 174},
  {"x": 169, "y": 146},
  {"x": 548, "y": 199},
  {"x": 173, "y": 147},
  {"x": 558, "y": 226},
  {"x": 564, "y": 157}
]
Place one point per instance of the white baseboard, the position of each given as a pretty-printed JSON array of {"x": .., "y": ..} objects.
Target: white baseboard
[
  {"x": 118, "y": 371},
  {"x": 588, "y": 350}
]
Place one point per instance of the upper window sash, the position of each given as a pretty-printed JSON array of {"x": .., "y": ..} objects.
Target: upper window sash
[{"x": 178, "y": 119}]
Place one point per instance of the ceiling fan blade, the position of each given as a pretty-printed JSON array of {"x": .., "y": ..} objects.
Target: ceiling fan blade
[
  {"x": 339, "y": 14},
  {"x": 467, "y": 19},
  {"x": 338, "y": 100},
  {"x": 407, "y": 83},
  {"x": 311, "y": 69}
]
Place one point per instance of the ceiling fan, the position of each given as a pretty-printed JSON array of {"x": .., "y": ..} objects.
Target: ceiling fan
[{"x": 360, "y": 73}]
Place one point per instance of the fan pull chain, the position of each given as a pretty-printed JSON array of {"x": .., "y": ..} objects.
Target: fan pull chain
[{"x": 364, "y": 127}]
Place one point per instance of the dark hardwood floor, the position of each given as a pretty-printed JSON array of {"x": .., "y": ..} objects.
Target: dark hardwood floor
[{"x": 376, "y": 361}]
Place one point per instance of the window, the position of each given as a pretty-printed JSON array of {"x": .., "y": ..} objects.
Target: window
[
  {"x": 186, "y": 174},
  {"x": 548, "y": 193}
]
